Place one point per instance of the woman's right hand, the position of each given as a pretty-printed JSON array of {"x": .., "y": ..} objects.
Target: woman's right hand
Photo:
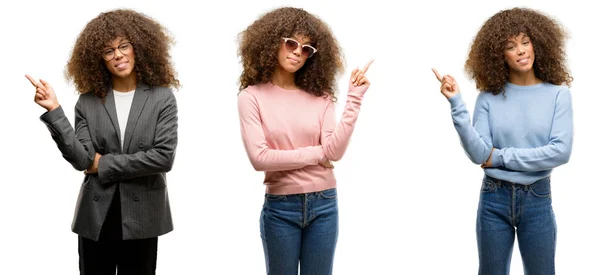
[
  {"x": 44, "y": 94},
  {"x": 449, "y": 87}
]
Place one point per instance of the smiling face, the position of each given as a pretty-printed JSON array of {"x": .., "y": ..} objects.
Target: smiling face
[
  {"x": 519, "y": 54},
  {"x": 119, "y": 58},
  {"x": 293, "y": 53}
]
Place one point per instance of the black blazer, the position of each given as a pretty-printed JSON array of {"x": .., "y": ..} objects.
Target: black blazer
[{"x": 140, "y": 168}]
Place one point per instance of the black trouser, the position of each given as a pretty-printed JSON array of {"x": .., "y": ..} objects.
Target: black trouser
[{"x": 111, "y": 253}]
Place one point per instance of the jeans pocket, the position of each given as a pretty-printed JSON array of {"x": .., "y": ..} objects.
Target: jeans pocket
[
  {"x": 270, "y": 197},
  {"x": 541, "y": 189},
  {"x": 328, "y": 194},
  {"x": 488, "y": 186}
]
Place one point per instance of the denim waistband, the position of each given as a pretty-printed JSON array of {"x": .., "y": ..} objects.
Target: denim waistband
[
  {"x": 304, "y": 194},
  {"x": 505, "y": 182}
]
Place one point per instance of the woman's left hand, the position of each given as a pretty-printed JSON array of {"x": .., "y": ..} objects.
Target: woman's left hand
[
  {"x": 358, "y": 80},
  {"x": 326, "y": 164},
  {"x": 488, "y": 162},
  {"x": 93, "y": 169}
]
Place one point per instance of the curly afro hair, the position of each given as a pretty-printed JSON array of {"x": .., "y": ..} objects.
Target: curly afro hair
[
  {"x": 486, "y": 64},
  {"x": 260, "y": 42},
  {"x": 151, "y": 44}
]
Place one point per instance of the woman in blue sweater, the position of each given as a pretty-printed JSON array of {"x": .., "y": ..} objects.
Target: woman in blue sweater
[{"x": 522, "y": 129}]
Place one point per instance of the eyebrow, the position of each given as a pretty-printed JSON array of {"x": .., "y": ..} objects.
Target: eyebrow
[
  {"x": 301, "y": 42},
  {"x": 525, "y": 36},
  {"x": 121, "y": 42}
]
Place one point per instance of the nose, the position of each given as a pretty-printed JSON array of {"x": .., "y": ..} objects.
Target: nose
[
  {"x": 298, "y": 50},
  {"x": 521, "y": 49},
  {"x": 118, "y": 54}
]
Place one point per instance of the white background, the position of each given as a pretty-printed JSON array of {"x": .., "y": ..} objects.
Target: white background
[{"x": 407, "y": 193}]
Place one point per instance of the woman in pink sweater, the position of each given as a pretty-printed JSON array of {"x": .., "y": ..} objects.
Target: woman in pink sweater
[{"x": 289, "y": 130}]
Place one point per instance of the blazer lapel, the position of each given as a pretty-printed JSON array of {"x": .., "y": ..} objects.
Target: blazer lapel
[
  {"x": 139, "y": 100},
  {"x": 111, "y": 109}
]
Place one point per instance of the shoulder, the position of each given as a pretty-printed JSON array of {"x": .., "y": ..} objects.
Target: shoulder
[
  {"x": 257, "y": 89},
  {"x": 159, "y": 97},
  {"x": 88, "y": 99},
  {"x": 87, "y": 96},
  {"x": 247, "y": 96},
  {"x": 561, "y": 93},
  {"x": 326, "y": 101},
  {"x": 160, "y": 92},
  {"x": 555, "y": 88},
  {"x": 485, "y": 97},
  {"x": 254, "y": 92}
]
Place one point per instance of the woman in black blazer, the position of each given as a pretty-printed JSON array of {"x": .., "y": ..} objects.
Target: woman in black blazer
[{"x": 124, "y": 139}]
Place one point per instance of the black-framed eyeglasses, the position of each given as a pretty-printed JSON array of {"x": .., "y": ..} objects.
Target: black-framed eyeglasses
[
  {"x": 291, "y": 45},
  {"x": 125, "y": 49}
]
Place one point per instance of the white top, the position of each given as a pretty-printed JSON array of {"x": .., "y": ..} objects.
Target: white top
[{"x": 123, "y": 102}]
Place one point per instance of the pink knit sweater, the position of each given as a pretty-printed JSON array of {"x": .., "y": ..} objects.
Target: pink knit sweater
[{"x": 287, "y": 133}]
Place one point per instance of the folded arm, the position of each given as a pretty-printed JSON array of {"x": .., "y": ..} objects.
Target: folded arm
[
  {"x": 553, "y": 154},
  {"x": 158, "y": 159},
  {"x": 261, "y": 156}
]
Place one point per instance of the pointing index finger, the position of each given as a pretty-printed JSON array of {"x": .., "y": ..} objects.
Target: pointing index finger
[
  {"x": 364, "y": 70},
  {"x": 437, "y": 75},
  {"x": 33, "y": 82}
]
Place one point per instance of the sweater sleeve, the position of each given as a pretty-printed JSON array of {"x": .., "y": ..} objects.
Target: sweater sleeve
[
  {"x": 261, "y": 156},
  {"x": 553, "y": 154},
  {"x": 335, "y": 137},
  {"x": 475, "y": 139}
]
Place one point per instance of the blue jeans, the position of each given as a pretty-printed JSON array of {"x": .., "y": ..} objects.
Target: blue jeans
[
  {"x": 300, "y": 228},
  {"x": 506, "y": 206}
]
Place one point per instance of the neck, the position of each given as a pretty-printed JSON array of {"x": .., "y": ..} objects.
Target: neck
[
  {"x": 284, "y": 79},
  {"x": 523, "y": 78},
  {"x": 124, "y": 84}
]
